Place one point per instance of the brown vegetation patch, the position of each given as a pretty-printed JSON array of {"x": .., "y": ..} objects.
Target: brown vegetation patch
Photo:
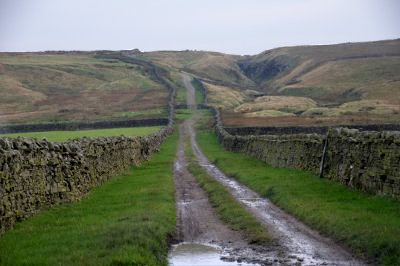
[
  {"x": 279, "y": 104},
  {"x": 41, "y": 87},
  {"x": 224, "y": 97}
]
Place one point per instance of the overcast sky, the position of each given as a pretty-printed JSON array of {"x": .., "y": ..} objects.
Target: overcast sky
[{"x": 231, "y": 26}]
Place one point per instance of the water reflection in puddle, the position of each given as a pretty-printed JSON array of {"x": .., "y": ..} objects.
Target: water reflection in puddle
[{"x": 185, "y": 254}]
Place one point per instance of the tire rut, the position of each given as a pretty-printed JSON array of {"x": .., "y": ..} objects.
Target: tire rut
[
  {"x": 197, "y": 223},
  {"x": 191, "y": 91},
  {"x": 300, "y": 244}
]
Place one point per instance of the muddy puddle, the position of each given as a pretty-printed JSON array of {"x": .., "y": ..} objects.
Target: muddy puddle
[{"x": 197, "y": 254}]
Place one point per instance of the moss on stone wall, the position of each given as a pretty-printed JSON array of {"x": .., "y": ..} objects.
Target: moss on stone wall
[
  {"x": 369, "y": 160},
  {"x": 366, "y": 160},
  {"x": 37, "y": 174}
]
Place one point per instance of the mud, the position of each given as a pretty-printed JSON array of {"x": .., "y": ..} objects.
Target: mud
[
  {"x": 203, "y": 238},
  {"x": 196, "y": 219},
  {"x": 300, "y": 244},
  {"x": 197, "y": 223}
]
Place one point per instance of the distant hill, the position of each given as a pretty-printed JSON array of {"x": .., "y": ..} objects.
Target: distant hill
[
  {"x": 68, "y": 86},
  {"x": 355, "y": 82},
  {"x": 329, "y": 74}
]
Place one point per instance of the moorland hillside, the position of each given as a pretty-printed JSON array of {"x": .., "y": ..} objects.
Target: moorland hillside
[
  {"x": 66, "y": 86},
  {"x": 317, "y": 84}
]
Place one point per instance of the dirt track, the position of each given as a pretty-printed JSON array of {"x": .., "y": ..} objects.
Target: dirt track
[
  {"x": 198, "y": 223},
  {"x": 297, "y": 241},
  {"x": 191, "y": 95},
  {"x": 296, "y": 244},
  {"x": 196, "y": 219}
]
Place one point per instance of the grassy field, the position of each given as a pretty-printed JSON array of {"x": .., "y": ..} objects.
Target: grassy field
[
  {"x": 369, "y": 225},
  {"x": 66, "y": 135},
  {"x": 228, "y": 209},
  {"x": 127, "y": 221},
  {"x": 43, "y": 87}
]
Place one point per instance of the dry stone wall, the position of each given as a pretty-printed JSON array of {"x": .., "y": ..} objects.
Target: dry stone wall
[
  {"x": 18, "y": 128},
  {"x": 299, "y": 151},
  {"x": 276, "y": 130},
  {"x": 369, "y": 160},
  {"x": 37, "y": 174}
]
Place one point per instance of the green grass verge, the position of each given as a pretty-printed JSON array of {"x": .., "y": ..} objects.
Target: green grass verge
[
  {"x": 228, "y": 209},
  {"x": 126, "y": 221},
  {"x": 369, "y": 225},
  {"x": 66, "y": 135}
]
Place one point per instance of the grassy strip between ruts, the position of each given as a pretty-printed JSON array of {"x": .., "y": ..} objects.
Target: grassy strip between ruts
[
  {"x": 369, "y": 225},
  {"x": 228, "y": 209},
  {"x": 199, "y": 95},
  {"x": 66, "y": 135},
  {"x": 126, "y": 221}
]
